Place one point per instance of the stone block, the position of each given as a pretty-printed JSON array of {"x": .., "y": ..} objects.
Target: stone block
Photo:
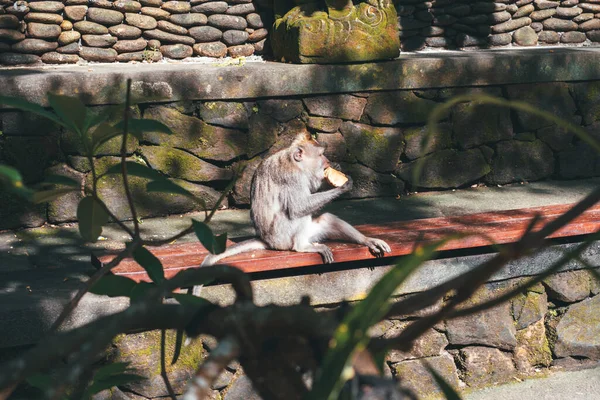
[
  {"x": 398, "y": 107},
  {"x": 430, "y": 344},
  {"x": 192, "y": 134},
  {"x": 415, "y": 140},
  {"x": 551, "y": 97},
  {"x": 142, "y": 351},
  {"x": 369, "y": 183},
  {"x": 521, "y": 161},
  {"x": 335, "y": 147},
  {"x": 476, "y": 124},
  {"x": 485, "y": 366},
  {"x": 342, "y": 106},
  {"x": 225, "y": 113},
  {"x": 241, "y": 389},
  {"x": 183, "y": 165},
  {"x": 414, "y": 375},
  {"x": 532, "y": 348},
  {"x": 578, "y": 332},
  {"x": 64, "y": 208},
  {"x": 446, "y": 169},
  {"x": 587, "y": 98},
  {"x": 282, "y": 110},
  {"x": 579, "y": 161},
  {"x": 262, "y": 133},
  {"x": 16, "y": 212},
  {"x": 376, "y": 147},
  {"x": 529, "y": 308},
  {"x": 568, "y": 287},
  {"x": 18, "y": 123},
  {"x": 31, "y": 155},
  {"x": 493, "y": 327}
]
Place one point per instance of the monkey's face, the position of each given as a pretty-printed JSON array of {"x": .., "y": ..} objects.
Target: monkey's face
[{"x": 311, "y": 159}]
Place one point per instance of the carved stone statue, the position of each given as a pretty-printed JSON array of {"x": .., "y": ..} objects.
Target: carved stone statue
[{"x": 336, "y": 31}]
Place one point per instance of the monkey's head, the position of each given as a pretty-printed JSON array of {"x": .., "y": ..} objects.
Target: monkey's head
[{"x": 308, "y": 155}]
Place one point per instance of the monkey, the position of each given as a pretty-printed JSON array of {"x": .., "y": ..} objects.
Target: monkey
[{"x": 284, "y": 196}]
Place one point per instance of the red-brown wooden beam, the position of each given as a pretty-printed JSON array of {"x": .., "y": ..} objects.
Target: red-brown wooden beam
[{"x": 487, "y": 228}]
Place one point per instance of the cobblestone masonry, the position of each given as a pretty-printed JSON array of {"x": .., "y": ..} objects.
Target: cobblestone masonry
[{"x": 67, "y": 31}]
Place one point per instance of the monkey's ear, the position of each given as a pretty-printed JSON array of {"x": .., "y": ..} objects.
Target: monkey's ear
[{"x": 298, "y": 154}]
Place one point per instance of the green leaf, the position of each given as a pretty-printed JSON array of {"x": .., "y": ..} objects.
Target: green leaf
[
  {"x": 136, "y": 169},
  {"x": 448, "y": 390},
  {"x": 178, "y": 345},
  {"x": 166, "y": 186},
  {"x": 11, "y": 176},
  {"x": 61, "y": 180},
  {"x": 94, "y": 117},
  {"x": 352, "y": 334},
  {"x": 188, "y": 299},
  {"x": 31, "y": 107},
  {"x": 189, "y": 276},
  {"x": 70, "y": 109},
  {"x": 92, "y": 217},
  {"x": 111, "y": 369},
  {"x": 40, "y": 381},
  {"x": 102, "y": 134},
  {"x": 114, "y": 286},
  {"x": 214, "y": 244},
  {"x": 112, "y": 381},
  {"x": 45, "y": 196},
  {"x": 140, "y": 290},
  {"x": 150, "y": 263},
  {"x": 137, "y": 127}
]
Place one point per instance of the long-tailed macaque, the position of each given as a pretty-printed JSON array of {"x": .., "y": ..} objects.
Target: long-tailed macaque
[{"x": 284, "y": 196}]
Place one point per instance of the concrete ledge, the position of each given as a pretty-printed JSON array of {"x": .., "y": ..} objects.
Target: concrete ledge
[{"x": 105, "y": 83}]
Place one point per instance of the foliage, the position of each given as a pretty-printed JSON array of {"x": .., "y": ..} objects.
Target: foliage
[{"x": 243, "y": 328}]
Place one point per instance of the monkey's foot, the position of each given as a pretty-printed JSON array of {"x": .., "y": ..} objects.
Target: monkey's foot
[{"x": 378, "y": 247}]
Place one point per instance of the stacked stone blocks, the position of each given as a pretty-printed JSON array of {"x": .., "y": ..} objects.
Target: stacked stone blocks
[
  {"x": 67, "y": 31},
  {"x": 377, "y": 138},
  {"x": 454, "y": 24}
]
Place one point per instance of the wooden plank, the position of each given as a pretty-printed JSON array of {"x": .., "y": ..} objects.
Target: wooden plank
[{"x": 488, "y": 228}]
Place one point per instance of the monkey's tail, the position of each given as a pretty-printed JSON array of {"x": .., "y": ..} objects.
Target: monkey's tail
[{"x": 241, "y": 247}]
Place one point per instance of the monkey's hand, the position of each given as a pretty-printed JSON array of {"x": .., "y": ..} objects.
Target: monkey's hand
[
  {"x": 346, "y": 187},
  {"x": 378, "y": 247}
]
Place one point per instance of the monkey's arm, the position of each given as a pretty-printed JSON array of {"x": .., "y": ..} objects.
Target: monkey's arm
[{"x": 299, "y": 206}]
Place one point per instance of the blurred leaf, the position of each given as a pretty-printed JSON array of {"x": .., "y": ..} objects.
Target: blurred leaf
[
  {"x": 214, "y": 244},
  {"x": 45, "y": 196},
  {"x": 351, "y": 334},
  {"x": 92, "y": 217},
  {"x": 31, "y": 107},
  {"x": 70, "y": 109},
  {"x": 150, "y": 263},
  {"x": 94, "y": 117},
  {"x": 112, "y": 381},
  {"x": 40, "y": 381},
  {"x": 137, "y": 127},
  {"x": 61, "y": 180},
  {"x": 136, "y": 169},
  {"x": 189, "y": 276},
  {"x": 11, "y": 179},
  {"x": 111, "y": 369},
  {"x": 166, "y": 186},
  {"x": 103, "y": 133},
  {"x": 140, "y": 290},
  {"x": 188, "y": 299},
  {"x": 114, "y": 286},
  {"x": 178, "y": 345},
  {"x": 448, "y": 390}
]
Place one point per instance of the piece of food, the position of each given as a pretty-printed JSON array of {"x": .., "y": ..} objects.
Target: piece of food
[{"x": 335, "y": 177}]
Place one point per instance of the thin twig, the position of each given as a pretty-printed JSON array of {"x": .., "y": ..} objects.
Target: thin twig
[
  {"x": 163, "y": 367},
  {"x": 136, "y": 224}
]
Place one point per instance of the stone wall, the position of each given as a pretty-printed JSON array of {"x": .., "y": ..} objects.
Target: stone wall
[
  {"x": 373, "y": 136},
  {"x": 453, "y": 24},
  {"x": 68, "y": 31},
  {"x": 552, "y": 325}
]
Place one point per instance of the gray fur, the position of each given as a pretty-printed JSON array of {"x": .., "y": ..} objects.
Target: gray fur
[{"x": 284, "y": 196}]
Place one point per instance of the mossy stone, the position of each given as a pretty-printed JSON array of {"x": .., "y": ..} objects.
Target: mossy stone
[
  {"x": 399, "y": 107},
  {"x": 532, "y": 348},
  {"x": 376, "y": 147},
  {"x": 415, "y": 138},
  {"x": 183, "y": 165},
  {"x": 476, "y": 124},
  {"x": 196, "y": 136}
]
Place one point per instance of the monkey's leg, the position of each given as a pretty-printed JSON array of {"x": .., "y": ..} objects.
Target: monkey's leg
[
  {"x": 322, "y": 249},
  {"x": 332, "y": 227}
]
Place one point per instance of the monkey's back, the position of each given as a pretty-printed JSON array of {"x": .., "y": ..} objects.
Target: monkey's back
[{"x": 271, "y": 193}]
